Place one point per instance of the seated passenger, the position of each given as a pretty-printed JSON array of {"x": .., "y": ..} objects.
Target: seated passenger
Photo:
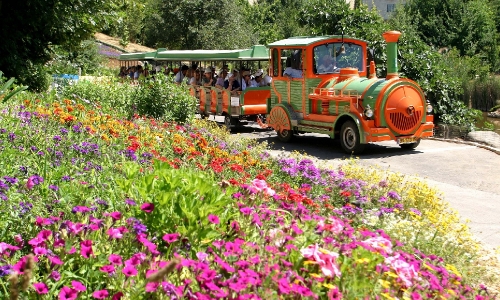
[
  {"x": 208, "y": 79},
  {"x": 266, "y": 80},
  {"x": 327, "y": 65},
  {"x": 257, "y": 80},
  {"x": 221, "y": 78},
  {"x": 196, "y": 79},
  {"x": 291, "y": 72},
  {"x": 232, "y": 84},
  {"x": 245, "y": 82},
  {"x": 179, "y": 77}
]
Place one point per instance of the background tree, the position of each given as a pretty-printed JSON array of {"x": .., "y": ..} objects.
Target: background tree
[
  {"x": 197, "y": 24},
  {"x": 29, "y": 27},
  {"x": 468, "y": 26}
]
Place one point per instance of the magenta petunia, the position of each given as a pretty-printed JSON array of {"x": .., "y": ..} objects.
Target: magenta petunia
[
  {"x": 86, "y": 248},
  {"x": 101, "y": 294},
  {"x": 147, "y": 207},
  {"x": 115, "y": 259},
  {"x": 171, "y": 237},
  {"x": 117, "y": 296},
  {"x": 116, "y": 215},
  {"x": 107, "y": 269},
  {"x": 129, "y": 271},
  {"x": 67, "y": 293},
  {"x": 213, "y": 219},
  {"x": 77, "y": 285},
  {"x": 55, "y": 260},
  {"x": 41, "y": 288}
]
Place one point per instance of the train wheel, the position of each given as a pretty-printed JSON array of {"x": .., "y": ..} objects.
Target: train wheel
[
  {"x": 227, "y": 122},
  {"x": 350, "y": 139},
  {"x": 410, "y": 146},
  {"x": 279, "y": 120}
]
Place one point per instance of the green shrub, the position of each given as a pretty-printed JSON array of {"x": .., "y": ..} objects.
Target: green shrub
[{"x": 163, "y": 99}]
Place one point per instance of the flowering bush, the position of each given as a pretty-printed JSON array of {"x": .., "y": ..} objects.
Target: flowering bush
[{"x": 95, "y": 206}]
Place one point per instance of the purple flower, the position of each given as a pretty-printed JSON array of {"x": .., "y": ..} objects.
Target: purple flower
[
  {"x": 55, "y": 275},
  {"x": 130, "y": 202}
]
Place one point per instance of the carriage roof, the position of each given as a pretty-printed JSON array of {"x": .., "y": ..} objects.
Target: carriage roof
[
  {"x": 256, "y": 53},
  {"x": 308, "y": 40}
]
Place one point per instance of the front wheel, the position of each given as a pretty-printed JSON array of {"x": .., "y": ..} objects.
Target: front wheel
[
  {"x": 230, "y": 122},
  {"x": 410, "y": 146},
  {"x": 284, "y": 135},
  {"x": 350, "y": 139}
]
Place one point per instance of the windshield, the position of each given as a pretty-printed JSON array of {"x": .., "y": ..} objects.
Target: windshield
[{"x": 329, "y": 58}]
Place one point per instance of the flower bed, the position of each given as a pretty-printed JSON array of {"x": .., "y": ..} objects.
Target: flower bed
[{"x": 98, "y": 207}]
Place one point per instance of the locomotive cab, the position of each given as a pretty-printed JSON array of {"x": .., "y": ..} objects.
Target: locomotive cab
[{"x": 327, "y": 90}]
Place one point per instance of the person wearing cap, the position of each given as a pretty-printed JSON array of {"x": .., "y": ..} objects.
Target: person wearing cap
[
  {"x": 208, "y": 80},
  {"x": 266, "y": 79},
  {"x": 246, "y": 80},
  {"x": 257, "y": 79},
  {"x": 291, "y": 72},
  {"x": 179, "y": 77}
]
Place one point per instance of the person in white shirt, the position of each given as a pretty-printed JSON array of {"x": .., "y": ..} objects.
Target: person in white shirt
[
  {"x": 257, "y": 79},
  {"x": 179, "y": 77},
  {"x": 220, "y": 79},
  {"x": 245, "y": 82}
]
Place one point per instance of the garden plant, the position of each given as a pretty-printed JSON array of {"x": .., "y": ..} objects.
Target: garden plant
[{"x": 97, "y": 203}]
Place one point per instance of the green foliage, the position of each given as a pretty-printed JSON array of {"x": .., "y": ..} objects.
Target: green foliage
[
  {"x": 85, "y": 57},
  {"x": 468, "y": 26},
  {"x": 482, "y": 93},
  {"x": 28, "y": 28},
  {"x": 183, "y": 199},
  {"x": 8, "y": 89},
  {"x": 129, "y": 18},
  {"x": 35, "y": 76},
  {"x": 112, "y": 94},
  {"x": 161, "y": 98},
  {"x": 197, "y": 24}
]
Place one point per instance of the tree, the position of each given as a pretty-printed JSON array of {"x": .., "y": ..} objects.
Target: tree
[
  {"x": 467, "y": 25},
  {"x": 29, "y": 27},
  {"x": 197, "y": 24}
]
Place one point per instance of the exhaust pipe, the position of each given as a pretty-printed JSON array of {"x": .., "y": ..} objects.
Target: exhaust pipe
[{"x": 391, "y": 38}]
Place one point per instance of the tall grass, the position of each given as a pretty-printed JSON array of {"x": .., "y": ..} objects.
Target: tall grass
[{"x": 482, "y": 94}]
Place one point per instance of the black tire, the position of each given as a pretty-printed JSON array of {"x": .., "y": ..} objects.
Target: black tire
[
  {"x": 285, "y": 135},
  {"x": 230, "y": 122},
  {"x": 411, "y": 146},
  {"x": 350, "y": 139}
]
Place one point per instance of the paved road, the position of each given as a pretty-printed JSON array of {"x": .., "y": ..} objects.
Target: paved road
[{"x": 468, "y": 176}]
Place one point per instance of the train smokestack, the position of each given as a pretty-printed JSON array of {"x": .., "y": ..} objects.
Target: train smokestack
[{"x": 391, "y": 38}]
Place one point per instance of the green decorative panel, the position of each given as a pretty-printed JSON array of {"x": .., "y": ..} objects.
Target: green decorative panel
[
  {"x": 311, "y": 84},
  {"x": 296, "y": 94}
]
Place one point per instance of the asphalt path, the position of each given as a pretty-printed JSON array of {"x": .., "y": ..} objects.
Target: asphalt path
[{"x": 468, "y": 176}]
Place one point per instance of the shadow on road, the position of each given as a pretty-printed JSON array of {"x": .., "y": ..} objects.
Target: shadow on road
[{"x": 320, "y": 145}]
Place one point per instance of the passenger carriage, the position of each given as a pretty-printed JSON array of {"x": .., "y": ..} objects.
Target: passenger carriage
[{"x": 247, "y": 105}]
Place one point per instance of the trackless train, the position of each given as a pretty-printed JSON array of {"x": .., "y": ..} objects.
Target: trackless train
[{"x": 325, "y": 84}]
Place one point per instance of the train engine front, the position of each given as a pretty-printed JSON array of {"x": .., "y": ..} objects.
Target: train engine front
[{"x": 390, "y": 108}]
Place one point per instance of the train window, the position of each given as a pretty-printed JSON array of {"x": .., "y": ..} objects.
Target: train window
[{"x": 330, "y": 58}]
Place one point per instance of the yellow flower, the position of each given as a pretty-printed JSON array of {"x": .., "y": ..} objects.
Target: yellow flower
[
  {"x": 329, "y": 286},
  {"x": 384, "y": 283}
]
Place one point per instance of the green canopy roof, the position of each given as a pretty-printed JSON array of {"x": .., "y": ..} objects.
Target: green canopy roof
[
  {"x": 140, "y": 55},
  {"x": 256, "y": 52}
]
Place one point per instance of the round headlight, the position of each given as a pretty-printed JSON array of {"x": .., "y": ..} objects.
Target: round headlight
[
  {"x": 429, "y": 108},
  {"x": 368, "y": 112}
]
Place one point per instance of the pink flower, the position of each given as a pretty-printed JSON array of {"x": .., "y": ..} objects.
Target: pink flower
[
  {"x": 380, "y": 244},
  {"x": 261, "y": 186},
  {"x": 116, "y": 215},
  {"x": 117, "y": 296},
  {"x": 77, "y": 285},
  {"x": 332, "y": 224},
  {"x": 40, "y": 251},
  {"x": 213, "y": 219},
  {"x": 107, "y": 269},
  {"x": 30, "y": 183},
  {"x": 55, "y": 260},
  {"x": 325, "y": 259},
  {"x": 114, "y": 233},
  {"x": 86, "y": 248},
  {"x": 41, "y": 288},
  {"x": 129, "y": 271},
  {"x": 55, "y": 275},
  {"x": 147, "y": 207},
  {"x": 171, "y": 237},
  {"x": 406, "y": 272},
  {"x": 115, "y": 259},
  {"x": 101, "y": 294},
  {"x": 68, "y": 293},
  {"x": 151, "y": 287}
]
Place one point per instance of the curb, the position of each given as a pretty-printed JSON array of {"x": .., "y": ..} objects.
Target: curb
[{"x": 477, "y": 144}]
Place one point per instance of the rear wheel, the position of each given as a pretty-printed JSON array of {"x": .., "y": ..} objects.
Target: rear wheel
[
  {"x": 410, "y": 146},
  {"x": 279, "y": 120},
  {"x": 230, "y": 122},
  {"x": 350, "y": 139},
  {"x": 284, "y": 135}
]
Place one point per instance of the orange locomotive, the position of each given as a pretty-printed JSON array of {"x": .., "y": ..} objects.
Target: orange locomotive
[{"x": 320, "y": 84}]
